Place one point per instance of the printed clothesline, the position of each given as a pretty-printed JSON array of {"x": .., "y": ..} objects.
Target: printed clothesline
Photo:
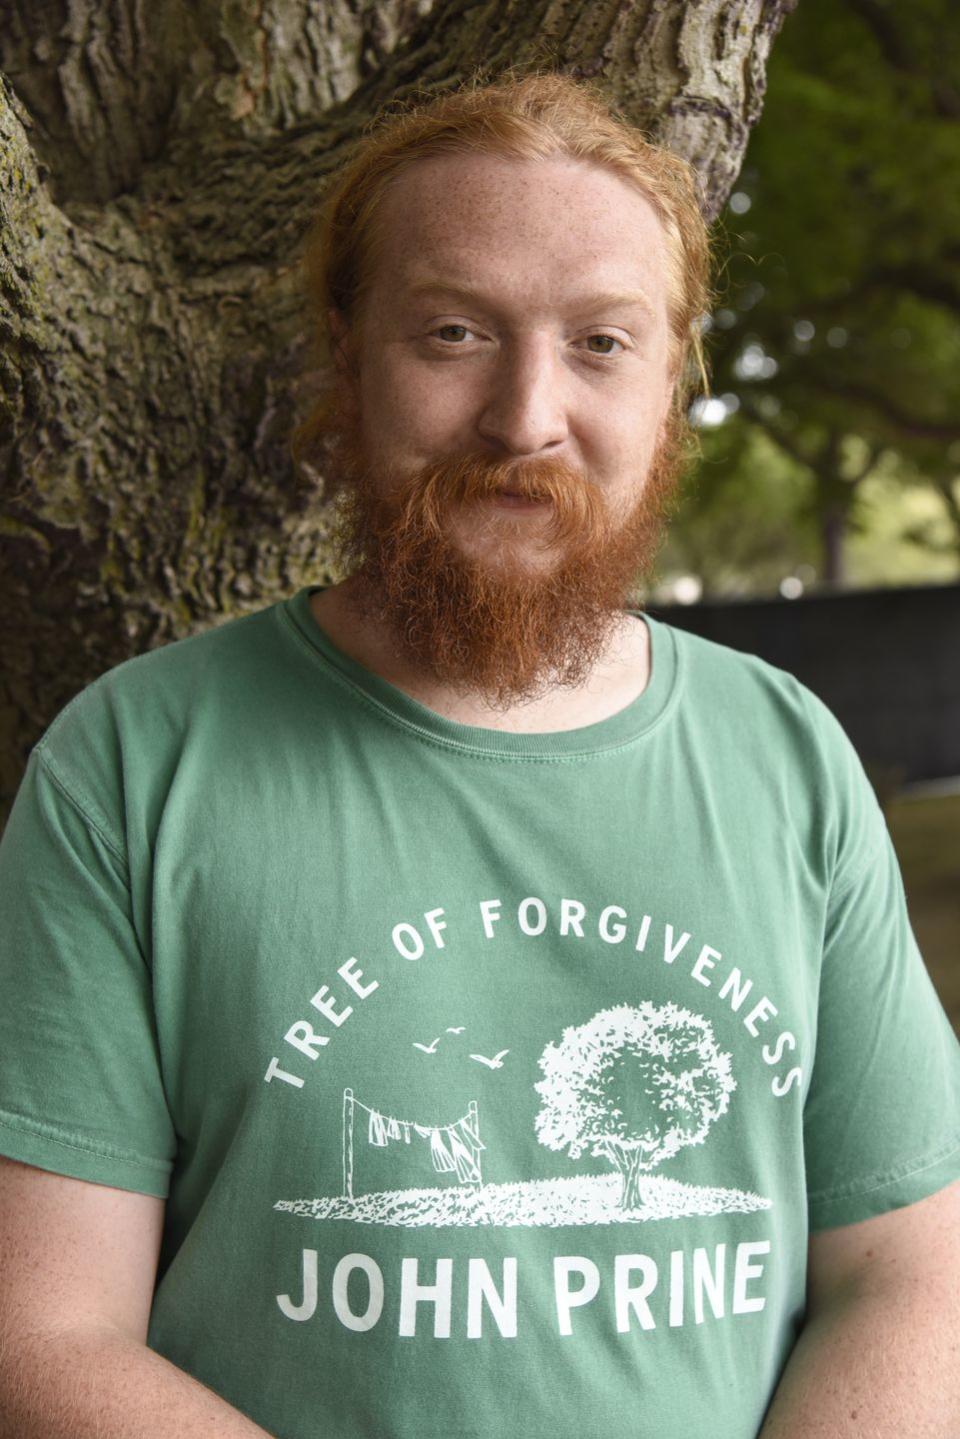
[
  {"x": 408, "y": 1123},
  {"x": 452, "y": 1146}
]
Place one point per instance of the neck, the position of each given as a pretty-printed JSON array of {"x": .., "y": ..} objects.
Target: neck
[{"x": 618, "y": 677}]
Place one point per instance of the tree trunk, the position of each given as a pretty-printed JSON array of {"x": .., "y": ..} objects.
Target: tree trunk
[
  {"x": 833, "y": 532},
  {"x": 630, "y": 1163},
  {"x": 159, "y": 165},
  {"x": 946, "y": 484}
]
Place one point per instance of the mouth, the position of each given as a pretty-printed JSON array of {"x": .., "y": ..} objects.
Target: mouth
[{"x": 516, "y": 497}]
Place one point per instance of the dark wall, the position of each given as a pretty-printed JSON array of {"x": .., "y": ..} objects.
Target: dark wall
[{"x": 887, "y": 662}]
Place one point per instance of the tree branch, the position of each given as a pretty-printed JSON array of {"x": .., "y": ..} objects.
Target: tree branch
[
  {"x": 920, "y": 280},
  {"x": 779, "y": 436},
  {"x": 879, "y": 18},
  {"x": 890, "y": 410}
]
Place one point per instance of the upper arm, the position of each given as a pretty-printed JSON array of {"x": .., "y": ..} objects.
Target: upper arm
[
  {"x": 75, "y": 1253},
  {"x": 916, "y": 1247}
]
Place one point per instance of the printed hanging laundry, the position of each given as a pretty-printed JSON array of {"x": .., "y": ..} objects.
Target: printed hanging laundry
[
  {"x": 393, "y": 1129},
  {"x": 458, "y": 1157},
  {"x": 442, "y": 1158},
  {"x": 470, "y": 1134},
  {"x": 376, "y": 1134},
  {"x": 468, "y": 1171}
]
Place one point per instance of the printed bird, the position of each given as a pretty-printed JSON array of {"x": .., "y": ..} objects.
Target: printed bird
[
  {"x": 495, "y": 1063},
  {"x": 456, "y": 1031},
  {"x": 427, "y": 1048}
]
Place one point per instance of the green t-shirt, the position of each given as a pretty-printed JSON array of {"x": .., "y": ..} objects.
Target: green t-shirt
[{"x": 494, "y": 1081}]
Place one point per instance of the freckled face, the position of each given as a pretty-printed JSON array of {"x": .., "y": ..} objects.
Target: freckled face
[
  {"x": 517, "y": 310},
  {"x": 513, "y": 338}
]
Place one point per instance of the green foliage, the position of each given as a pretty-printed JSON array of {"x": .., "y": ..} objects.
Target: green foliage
[
  {"x": 744, "y": 523},
  {"x": 841, "y": 277}
]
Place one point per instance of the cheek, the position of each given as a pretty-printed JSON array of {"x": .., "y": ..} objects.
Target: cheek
[
  {"x": 414, "y": 404},
  {"x": 619, "y": 427},
  {"x": 387, "y": 404},
  {"x": 618, "y": 441}
]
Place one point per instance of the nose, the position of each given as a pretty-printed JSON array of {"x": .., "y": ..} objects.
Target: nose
[{"x": 524, "y": 410}]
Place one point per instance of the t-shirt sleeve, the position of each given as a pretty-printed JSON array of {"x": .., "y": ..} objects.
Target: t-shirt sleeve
[
  {"x": 882, "y": 1114},
  {"x": 81, "y": 1090}
]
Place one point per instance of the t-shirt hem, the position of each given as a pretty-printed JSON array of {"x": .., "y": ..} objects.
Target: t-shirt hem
[
  {"x": 45, "y": 1147},
  {"x": 865, "y": 1199}
]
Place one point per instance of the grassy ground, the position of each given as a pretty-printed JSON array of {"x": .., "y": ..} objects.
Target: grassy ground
[{"x": 926, "y": 835}]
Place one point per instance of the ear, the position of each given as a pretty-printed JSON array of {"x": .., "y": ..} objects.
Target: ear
[{"x": 341, "y": 341}]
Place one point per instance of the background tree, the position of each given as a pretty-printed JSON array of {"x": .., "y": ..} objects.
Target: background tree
[
  {"x": 836, "y": 347},
  {"x": 159, "y": 165},
  {"x": 634, "y": 1085}
]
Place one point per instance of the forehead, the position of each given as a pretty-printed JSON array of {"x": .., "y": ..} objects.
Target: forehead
[{"x": 530, "y": 230}]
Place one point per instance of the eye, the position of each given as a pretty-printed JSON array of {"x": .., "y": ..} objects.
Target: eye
[
  {"x": 451, "y": 339},
  {"x": 608, "y": 339}
]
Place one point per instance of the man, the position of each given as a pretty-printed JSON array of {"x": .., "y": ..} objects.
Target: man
[{"x": 452, "y": 1002}]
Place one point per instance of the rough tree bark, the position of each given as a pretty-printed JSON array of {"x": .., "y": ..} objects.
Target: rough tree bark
[{"x": 159, "y": 164}]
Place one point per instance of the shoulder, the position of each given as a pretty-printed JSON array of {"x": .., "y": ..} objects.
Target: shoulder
[
  {"x": 742, "y": 688},
  {"x": 132, "y": 720},
  {"x": 166, "y": 678},
  {"x": 775, "y": 736}
]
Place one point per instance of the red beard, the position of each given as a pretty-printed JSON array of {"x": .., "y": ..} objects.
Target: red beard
[{"x": 537, "y": 604}]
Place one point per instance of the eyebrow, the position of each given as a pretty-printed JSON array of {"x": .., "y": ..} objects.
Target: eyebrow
[{"x": 602, "y": 300}]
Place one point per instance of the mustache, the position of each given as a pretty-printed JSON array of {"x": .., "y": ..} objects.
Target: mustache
[
  {"x": 474, "y": 476},
  {"x": 574, "y": 507},
  {"x": 575, "y": 503}
]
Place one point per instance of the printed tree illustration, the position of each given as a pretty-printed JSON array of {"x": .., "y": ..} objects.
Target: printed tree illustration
[{"x": 634, "y": 1084}]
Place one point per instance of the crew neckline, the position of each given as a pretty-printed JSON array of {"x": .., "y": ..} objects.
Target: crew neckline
[{"x": 621, "y": 728}]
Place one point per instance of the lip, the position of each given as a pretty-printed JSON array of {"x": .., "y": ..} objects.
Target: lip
[{"x": 516, "y": 501}]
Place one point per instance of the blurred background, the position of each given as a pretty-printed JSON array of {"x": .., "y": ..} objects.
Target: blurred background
[{"x": 822, "y": 528}]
